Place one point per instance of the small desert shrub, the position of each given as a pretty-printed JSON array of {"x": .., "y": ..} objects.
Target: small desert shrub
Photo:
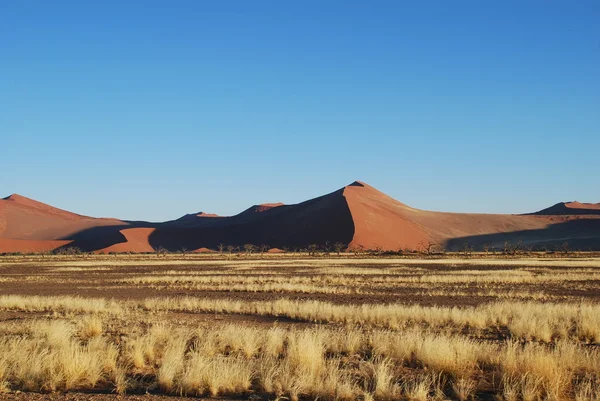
[
  {"x": 172, "y": 362},
  {"x": 385, "y": 383}
]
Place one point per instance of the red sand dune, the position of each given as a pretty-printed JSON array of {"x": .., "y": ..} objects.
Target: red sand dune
[
  {"x": 380, "y": 221},
  {"x": 570, "y": 208},
  {"x": 315, "y": 221},
  {"x": 24, "y": 218},
  {"x": 136, "y": 240},
  {"x": 579, "y": 205},
  {"x": 8, "y": 245},
  {"x": 204, "y": 250},
  {"x": 192, "y": 219},
  {"x": 357, "y": 215},
  {"x": 263, "y": 207},
  {"x": 202, "y": 214},
  {"x": 194, "y": 215},
  {"x": 383, "y": 222}
]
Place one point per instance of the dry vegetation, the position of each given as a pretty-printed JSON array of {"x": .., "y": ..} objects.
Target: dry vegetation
[{"x": 368, "y": 329}]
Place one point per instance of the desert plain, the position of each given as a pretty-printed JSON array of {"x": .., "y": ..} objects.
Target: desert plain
[{"x": 297, "y": 327}]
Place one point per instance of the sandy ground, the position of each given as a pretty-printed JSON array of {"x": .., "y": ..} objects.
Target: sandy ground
[{"x": 103, "y": 277}]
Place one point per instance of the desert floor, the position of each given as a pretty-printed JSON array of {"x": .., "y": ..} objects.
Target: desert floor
[{"x": 297, "y": 327}]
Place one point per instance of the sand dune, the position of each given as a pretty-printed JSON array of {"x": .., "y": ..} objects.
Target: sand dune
[
  {"x": 204, "y": 250},
  {"x": 136, "y": 240},
  {"x": 571, "y": 208},
  {"x": 263, "y": 207},
  {"x": 381, "y": 221},
  {"x": 191, "y": 219},
  {"x": 8, "y": 245},
  {"x": 24, "y": 218},
  {"x": 357, "y": 215},
  {"x": 385, "y": 223},
  {"x": 292, "y": 226}
]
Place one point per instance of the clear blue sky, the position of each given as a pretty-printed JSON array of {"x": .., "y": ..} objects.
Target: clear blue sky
[{"x": 153, "y": 109}]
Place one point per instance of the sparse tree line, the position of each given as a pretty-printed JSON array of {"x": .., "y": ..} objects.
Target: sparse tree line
[{"x": 424, "y": 249}]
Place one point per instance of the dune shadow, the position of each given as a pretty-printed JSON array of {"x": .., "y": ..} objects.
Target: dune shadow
[
  {"x": 581, "y": 234},
  {"x": 317, "y": 221},
  {"x": 95, "y": 238},
  {"x": 560, "y": 209},
  {"x": 326, "y": 219}
]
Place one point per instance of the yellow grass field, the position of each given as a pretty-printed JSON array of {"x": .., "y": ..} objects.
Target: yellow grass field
[{"x": 300, "y": 328}]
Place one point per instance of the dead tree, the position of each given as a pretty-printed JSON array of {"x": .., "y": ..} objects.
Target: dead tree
[
  {"x": 338, "y": 246},
  {"x": 249, "y": 248}
]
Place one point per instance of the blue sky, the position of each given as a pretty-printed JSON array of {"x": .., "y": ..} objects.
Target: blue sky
[{"x": 153, "y": 109}]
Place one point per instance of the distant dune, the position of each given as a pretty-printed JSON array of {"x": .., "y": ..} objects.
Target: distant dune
[
  {"x": 262, "y": 207},
  {"x": 24, "y": 218},
  {"x": 571, "y": 208},
  {"x": 357, "y": 216}
]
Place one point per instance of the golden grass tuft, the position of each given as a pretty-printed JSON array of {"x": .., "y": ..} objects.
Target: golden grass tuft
[{"x": 91, "y": 326}]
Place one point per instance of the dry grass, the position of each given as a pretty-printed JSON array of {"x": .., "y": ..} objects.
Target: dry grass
[
  {"x": 59, "y": 304},
  {"x": 525, "y": 339},
  {"x": 53, "y": 359},
  {"x": 51, "y": 355},
  {"x": 528, "y": 320}
]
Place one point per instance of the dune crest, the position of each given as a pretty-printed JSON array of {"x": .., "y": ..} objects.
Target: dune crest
[
  {"x": 570, "y": 208},
  {"x": 263, "y": 207},
  {"x": 357, "y": 215},
  {"x": 381, "y": 221},
  {"x": 579, "y": 205}
]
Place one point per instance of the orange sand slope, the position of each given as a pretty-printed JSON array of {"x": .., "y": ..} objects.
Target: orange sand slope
[
  {"x": 136, "y": 240},
  {"x": 384, "y": 222},
  {"x": 8, "y": 245},
  {"x": 24, "y": 218},
  {"x": 357, "y": 215},
  {"x": 381, "y": 221}
]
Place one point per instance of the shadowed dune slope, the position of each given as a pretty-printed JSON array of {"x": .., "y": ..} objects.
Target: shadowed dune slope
[
  {"x": 263, "y": 207},
  {"x": 190, "y": 220},
  {"x": 319, "y": 220},
  {"x": 570, "y": 208},
  {"x": 363, "y": 217},
  {"x": 357, "y": 215},
  {"x": 578, "y": 233}
]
